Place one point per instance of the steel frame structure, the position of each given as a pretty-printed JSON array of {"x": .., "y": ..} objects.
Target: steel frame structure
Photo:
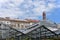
[{"x": 40, "y": 33}]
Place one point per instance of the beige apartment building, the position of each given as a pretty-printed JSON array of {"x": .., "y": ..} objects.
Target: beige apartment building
[{"x": 17, "y": 23}]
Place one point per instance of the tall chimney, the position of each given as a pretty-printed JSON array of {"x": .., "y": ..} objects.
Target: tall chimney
[{"x": 44, "y": 16}]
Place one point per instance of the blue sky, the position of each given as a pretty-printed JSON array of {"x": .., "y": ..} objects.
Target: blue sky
[{"x": 30, "y": 9}]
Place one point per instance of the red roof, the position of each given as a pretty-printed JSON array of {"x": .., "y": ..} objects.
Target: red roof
[
  {"x": 31, "y": 20},
  {"x": 17, "y": 20}
]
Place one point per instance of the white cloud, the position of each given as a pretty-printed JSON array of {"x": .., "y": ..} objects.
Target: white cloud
[
  {"x": 10, "y": 8},
  {"x": 58, "y": 6},
  {"x": 25, "y": 8},
  {"x": 2, "y": 1}
]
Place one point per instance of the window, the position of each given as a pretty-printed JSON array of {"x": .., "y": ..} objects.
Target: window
[
  {"x": 18, "y": 25},
  {"x": 22, "y": 26},
  {"x": 0, "y": 24}
]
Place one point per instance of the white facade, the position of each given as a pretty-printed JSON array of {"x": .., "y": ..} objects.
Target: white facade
[{"x": 58, "y": 25}]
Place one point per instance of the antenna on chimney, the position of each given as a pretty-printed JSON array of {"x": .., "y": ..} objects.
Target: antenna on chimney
[{"x": 44, "y": 15}]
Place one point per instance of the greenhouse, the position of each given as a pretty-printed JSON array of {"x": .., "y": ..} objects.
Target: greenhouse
[{"x": 36, "y": 32}]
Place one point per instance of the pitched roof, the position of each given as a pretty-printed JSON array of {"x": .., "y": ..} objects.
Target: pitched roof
[
  {"x": 31, "y": 20},
  {"x": 18, "y": 20}
]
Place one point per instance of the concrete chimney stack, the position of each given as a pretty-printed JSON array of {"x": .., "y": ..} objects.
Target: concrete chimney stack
[{"x": 44, "y": 16}]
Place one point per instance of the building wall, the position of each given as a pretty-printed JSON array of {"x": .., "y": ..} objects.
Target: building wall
[
  {"x": 58, "y": 25},
  {"x": 19, "y": 24}
]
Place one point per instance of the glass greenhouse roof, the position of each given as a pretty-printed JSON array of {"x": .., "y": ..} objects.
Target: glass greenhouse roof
[
  {"x": 41, "y": 29},
  {"x": 6, "y": 31}
]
